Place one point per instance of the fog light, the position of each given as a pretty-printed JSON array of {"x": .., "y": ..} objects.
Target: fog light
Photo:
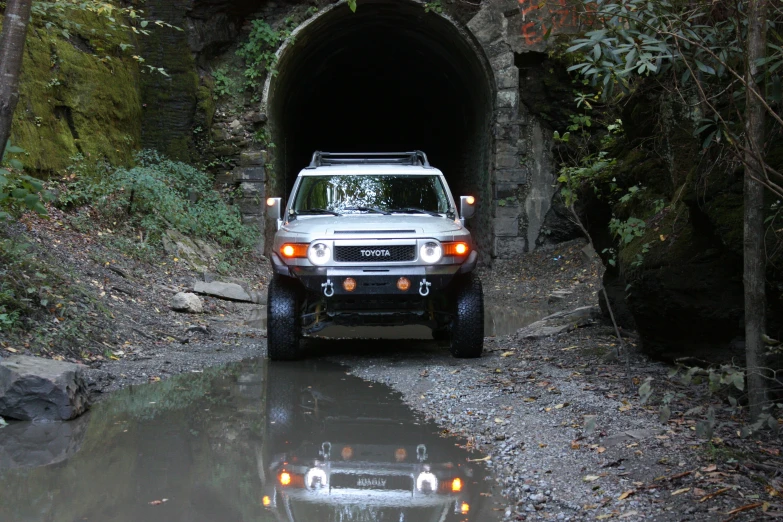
[
  {"x": 349, "y": 284},
  {"x": 403, "y": 284},
  {"x": 285, "y": 478},
  {"x": 270, "y": 202},
  {"x": 266, "y": 501},
  {"x": 456, "y": 485}
]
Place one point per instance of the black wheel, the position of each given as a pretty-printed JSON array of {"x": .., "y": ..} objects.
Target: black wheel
[
  {"x": 467, "y": 327},
  {"x": 284, "y": 328}
]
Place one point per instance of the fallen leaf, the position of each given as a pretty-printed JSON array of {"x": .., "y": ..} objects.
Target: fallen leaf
[
  {"x": 627, "y": 494},
  {"x": 498, "y": 420},
  {"x": 710, "y": 468},
  {"x": 12, "y": 350},
  {"x": 604, "y": 517},
  {"x": 680, "y": 491},
  {"x": 575, "y": 445},
  {"x": 600, "y": 449},
  {"x": 590, "y": 478},
  {"x": 506, "y": 354},
  {"x": 628, "y": 514},
  {"x": 158, "y": 502}
]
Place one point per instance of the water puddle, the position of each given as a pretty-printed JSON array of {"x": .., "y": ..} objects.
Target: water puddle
[
  {"x": 499, "y": 320},
  {"x": 248, "y": 442}
]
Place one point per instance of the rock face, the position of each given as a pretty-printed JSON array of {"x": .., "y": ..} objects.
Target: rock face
[
  {"x": 229, "y": 291},
  {"x": 37, "y": 389},
  {"x": 187, "y": 302},
  {"x": 199, "y": 254}
]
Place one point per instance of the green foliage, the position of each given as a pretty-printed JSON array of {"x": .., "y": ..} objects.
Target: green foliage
[
  {"x": 225, "y": 85},
  {"x": 435, "y": 6},
  {"x": 259, "y": 51},
  {"x": 18, "y": 191},
  {"x": 157, "y": 195},
  {"x": 693, "y": 47}
]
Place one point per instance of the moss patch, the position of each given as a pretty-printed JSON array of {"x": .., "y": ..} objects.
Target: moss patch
[{"x": 77, "y": 99}]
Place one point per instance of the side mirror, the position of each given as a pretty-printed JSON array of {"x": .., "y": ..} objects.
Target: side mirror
[
  {"x": 467, "y": 207},
  {"x": 274, "y": 210}
]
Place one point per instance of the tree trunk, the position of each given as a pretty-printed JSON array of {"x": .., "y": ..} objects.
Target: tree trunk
[
  {"x": 755, "y": 257},
  {"x": 17, "y": 15}
]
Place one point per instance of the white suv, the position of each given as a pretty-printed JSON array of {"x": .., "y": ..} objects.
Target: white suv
[{"x": 373, "y": 239}]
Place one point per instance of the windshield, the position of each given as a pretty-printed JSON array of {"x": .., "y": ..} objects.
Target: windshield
[{"x": 360, "y": 193}]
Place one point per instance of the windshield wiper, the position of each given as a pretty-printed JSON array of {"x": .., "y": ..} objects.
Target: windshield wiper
[
  {"x": 413, "y": 210},
  {"x": 315, "y": 211},
  {"x": 369, "y": 209}
]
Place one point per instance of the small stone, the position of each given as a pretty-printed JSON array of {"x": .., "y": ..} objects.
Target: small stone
[
  {"x": 235, "y": 124},
  {"x": 187, "y": 302},
  {"x": 538, "y": 498}
]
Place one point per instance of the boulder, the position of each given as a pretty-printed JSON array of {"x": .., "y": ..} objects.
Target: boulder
[
  {"x": 560, "y": 322},
  {"x": 32, "y": 388},
  {"x": 187, "y": 302},
  {"x": 228, "y": 291}
]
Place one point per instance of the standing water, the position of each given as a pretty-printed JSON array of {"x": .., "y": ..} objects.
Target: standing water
[{"x": 248, "y": 442}]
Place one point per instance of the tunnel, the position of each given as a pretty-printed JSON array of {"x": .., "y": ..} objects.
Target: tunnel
[{"x": 389, "y": 77}]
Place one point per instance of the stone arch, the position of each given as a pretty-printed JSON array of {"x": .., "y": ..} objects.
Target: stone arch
[{"x": 391, "y": 76}]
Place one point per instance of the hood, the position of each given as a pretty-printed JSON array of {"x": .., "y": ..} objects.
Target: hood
[{"x": 358, "y": 225}]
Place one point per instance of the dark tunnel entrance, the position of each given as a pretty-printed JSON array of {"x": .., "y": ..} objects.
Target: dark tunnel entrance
[{"x": 390, "y": 77}]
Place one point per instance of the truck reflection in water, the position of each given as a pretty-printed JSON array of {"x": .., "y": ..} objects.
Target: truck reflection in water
[{"x": 334, "y": 457}]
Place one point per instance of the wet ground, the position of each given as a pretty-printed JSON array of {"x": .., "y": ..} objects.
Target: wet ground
[{"x": 248, "y": 441}]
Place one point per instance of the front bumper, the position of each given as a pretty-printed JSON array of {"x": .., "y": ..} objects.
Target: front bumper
[{"x": 375, "y": 279}]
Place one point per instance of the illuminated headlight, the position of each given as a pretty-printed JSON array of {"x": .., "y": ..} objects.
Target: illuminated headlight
[
  {"x": 319, "y": 253},
  {"x": 315, "y": 478},
  {"x": 426, "y": 481},
  {"x": 431, "y": 252}
]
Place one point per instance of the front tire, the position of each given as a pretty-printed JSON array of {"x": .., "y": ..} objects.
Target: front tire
[
  {"x": 284, "y": 328},
  {"x": 467, "y": 329}
]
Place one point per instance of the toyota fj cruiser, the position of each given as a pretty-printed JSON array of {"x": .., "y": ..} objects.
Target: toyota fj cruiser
[{"x": 373, "y": 239}]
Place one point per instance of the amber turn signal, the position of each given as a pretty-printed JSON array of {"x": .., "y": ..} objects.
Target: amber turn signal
[
  {"x": 403, "y": 284},
  {"x": 470, "y": 200},
  {"x": 285, "y": 478},
  {"x": 349, "y": 284},
  {"x": 266, "y": 500},
  {"x": 456, "y": 485},
  {"x": 270, "y": 202},
  {"x": 400, "y": 454},
  {"x": 465, "y": 508},
  {"x": 455, "y": 249},
  {"x": 293, "y": 250}
]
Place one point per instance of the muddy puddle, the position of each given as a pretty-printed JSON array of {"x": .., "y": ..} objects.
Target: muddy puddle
[
  {"x": 499, "y": 320},
  {"x": 248, "y": 442}
]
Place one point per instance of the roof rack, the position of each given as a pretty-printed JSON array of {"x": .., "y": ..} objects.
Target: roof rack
[{"x": 416, "y": 157}]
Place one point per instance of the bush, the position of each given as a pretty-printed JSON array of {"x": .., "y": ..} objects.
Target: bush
[{"x": 159, "y": 194}]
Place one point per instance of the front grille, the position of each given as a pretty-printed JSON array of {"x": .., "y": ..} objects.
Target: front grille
[
  {"x": 374, "y": 254},
  {"x": 377, "y": 482}
]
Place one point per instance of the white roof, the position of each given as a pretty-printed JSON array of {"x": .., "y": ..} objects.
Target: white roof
[{"x": 373, "y": 169}]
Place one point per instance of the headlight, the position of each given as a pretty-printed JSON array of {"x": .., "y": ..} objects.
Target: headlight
[
  {"x": 315, "y": 478},
  {"x": 319, "y": 253},
  {"x": 426, "y": 482},
  {"x": 431, "y": 252}
]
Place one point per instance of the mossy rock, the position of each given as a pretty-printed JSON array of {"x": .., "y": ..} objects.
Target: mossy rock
[{"x": 77, "y": 99}]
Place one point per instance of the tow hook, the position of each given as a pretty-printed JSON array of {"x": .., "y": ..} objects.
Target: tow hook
[
  {"x": 328, "y": 287},
  {"x": 326, "y": 450},
  {"x": 424, "y": 288}
]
